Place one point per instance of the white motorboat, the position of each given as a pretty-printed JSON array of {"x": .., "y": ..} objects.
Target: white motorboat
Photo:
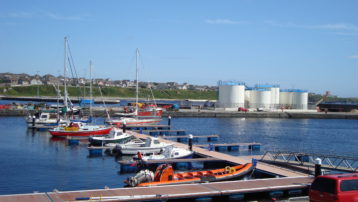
[
  {"x": 116, "y": 136},
  {"x": 170, "y": 152},
  {"x": 152, "y": 145},
  {"x": 44, "y": 118}
]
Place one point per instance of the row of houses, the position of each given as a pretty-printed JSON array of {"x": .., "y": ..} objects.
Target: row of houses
[{"x": 10, "y": 79}]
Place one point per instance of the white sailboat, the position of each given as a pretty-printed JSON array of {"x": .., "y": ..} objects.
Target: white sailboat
[{"x": 135, "y": 119}]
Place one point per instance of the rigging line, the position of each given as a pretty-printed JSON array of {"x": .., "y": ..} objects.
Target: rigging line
[
  {"x": 73, "y": 68},
  {"x": 104, "y": 103},
  {"x": 69, "y": 63},
  {"x": 72, "y": 61}
]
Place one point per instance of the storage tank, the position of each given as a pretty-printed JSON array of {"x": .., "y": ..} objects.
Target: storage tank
[
  {"x": 299, "y": 99},
  {"x": 275, "y": 96},
  {"x": 231, "y": 94},
  {"x": 285, "y": 98},
  {"x": 275, "y": 93},
  {"x": 263, "y": 98},
  {"x": 249, "y": 97}
]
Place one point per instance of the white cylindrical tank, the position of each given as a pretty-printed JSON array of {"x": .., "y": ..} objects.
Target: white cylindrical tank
[
  {"x": 299, "y": 99},
  {"x": 231, "y": 94},
  {"x": 247, "y": 97},
  {"x": 285, "y": 98},
  {"x": 253, "y": 99},
  {"x": 263, "y": 98},
  {"x": 275, "y": 96},
  {"x": 275, "y": 93}
]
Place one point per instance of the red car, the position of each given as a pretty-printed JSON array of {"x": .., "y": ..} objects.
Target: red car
[
  {"x": 243, "y": 109},
  {"x": 336, "y": 187}
]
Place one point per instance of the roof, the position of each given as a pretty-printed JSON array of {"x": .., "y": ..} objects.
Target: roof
[
  {"x": 294, "y": 90},
  {"x": 230, "y": 83}
]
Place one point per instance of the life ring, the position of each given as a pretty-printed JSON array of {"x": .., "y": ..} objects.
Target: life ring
[{"x": 227, "y": 169}]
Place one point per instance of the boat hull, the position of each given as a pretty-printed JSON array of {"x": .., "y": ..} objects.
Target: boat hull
[
  {"x": 87, "y": 133},
  {"x": 205, "y": 176},
  {"x": 100, "y": 142},
  {"x": 134, "y": 122},
  {"x": 135, "y": 150}
]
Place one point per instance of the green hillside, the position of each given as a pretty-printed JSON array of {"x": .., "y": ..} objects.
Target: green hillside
[{"x": 46, "y": 90}]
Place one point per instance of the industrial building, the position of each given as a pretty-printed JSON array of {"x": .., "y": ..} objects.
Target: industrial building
[{"x": 233, "y": 94}]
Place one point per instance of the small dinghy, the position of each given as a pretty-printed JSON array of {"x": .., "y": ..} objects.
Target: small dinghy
[{"x": 164, "y": 175}]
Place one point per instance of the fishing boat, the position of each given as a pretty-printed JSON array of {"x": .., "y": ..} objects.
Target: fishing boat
[
  {"x": 164, "y": 175},
  {"x": 169, "y": 152},
  {"x": 116, "y": 136},
  {"x": 78, "y": 129},
  {"x": 152, "y": 145}
]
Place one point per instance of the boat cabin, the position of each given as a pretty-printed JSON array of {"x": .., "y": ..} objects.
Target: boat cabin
[{"x": 151, "y": 141}]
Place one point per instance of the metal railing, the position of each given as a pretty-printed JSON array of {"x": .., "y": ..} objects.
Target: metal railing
[{"x": 330, "y": 162}]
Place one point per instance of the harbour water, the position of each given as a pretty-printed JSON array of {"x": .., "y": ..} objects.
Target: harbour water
[{"x": 34, "y": 161}]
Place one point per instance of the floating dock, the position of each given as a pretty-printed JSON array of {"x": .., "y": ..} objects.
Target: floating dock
[
  {"x": 274, "y": 170},
  {"x": 225, "y": 191},
  {"x": 231, "y": 146},
  {"x": 185, "y": 138}
]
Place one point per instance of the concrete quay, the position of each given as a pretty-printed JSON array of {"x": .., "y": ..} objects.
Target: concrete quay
[{"x": 286, "y": 114}]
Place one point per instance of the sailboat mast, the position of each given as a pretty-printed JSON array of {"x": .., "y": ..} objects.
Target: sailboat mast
[
  {"x": 136, "y": 75},
  {"x": 90, "y": 88},
  {"x": 64, "y": 74}
]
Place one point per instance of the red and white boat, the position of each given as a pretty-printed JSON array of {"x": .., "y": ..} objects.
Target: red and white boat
[
  {"x": 77, "y": 129},
  {"x": 132, "y": 121},
  {"x": 144, "y": 111}
]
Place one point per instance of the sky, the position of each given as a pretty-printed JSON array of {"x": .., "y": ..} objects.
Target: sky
[{"x": 302, "y": 44}]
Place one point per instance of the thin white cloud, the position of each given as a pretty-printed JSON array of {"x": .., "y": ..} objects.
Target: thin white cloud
[
  {"x": 337, "y": 26},
  {"x": 41, "y": 14},
  {"x": 19, "y": 14},
  {"x": 354, "y": 56},
  {"x": 340, "y": 26},
  {"x": 62, "y": 17},
  {"x": 224, "y": 21}
]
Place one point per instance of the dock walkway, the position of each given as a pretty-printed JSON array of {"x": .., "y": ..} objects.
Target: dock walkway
[
  {"x": 214, "y": 189},
  {"x": 276, "y": 170}
]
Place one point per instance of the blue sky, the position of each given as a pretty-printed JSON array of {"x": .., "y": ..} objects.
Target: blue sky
[{"x": 305, "y": 44}]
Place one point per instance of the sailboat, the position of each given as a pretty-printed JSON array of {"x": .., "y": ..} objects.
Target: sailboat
[
  {"x": 140, "y": 116},
  {"x": 76, "y": 128}
]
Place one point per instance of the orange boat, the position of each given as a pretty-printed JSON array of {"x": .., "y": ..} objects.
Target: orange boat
[{"x": 165, "y": 175}]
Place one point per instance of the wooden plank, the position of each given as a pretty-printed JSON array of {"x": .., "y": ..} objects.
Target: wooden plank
[{"x": 37, "y": 197}]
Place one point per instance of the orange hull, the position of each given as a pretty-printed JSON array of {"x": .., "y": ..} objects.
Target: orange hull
[{"x": 227, "y": 173}]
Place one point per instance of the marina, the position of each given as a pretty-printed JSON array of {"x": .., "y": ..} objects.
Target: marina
[
  {"x": 208, "y": 159},
  {"x": 195, "y": 101}
]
